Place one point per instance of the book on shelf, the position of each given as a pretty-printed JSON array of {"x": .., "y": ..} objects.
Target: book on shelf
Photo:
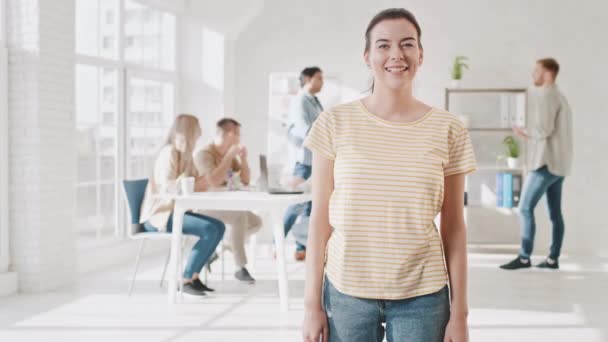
[{"x": 508, "y": 189}]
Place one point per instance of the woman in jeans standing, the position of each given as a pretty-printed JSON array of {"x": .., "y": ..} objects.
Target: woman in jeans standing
[
  {"x": 173, "y": 161},
  {"x": 383, "y": 168}
]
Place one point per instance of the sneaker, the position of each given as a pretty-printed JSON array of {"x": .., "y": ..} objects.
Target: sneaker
[
  {"x": 198, "y": 284},
  {"x": 300, "y": 255},
  {"x": 516, "y": 263},
  {"x": 191, "y": 290},
  {"x": 244, "y": 276},
  {"x": 549, "y": 264}
]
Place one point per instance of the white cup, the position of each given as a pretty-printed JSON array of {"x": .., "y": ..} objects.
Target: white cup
[{"x": 187, "y": 185}]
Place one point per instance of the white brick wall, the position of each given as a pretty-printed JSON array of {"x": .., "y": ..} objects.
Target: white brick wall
[{"x": 42, "y": 154}]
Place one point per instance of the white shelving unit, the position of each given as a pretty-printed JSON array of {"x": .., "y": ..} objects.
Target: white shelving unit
[{"x": 489, "y": 115}]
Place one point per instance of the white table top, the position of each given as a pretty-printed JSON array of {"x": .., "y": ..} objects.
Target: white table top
[{"x": 236, "y": 200}]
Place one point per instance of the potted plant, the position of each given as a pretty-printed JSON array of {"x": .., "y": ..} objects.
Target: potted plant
[
  {"x": 457, "y": 67},
  {"x": 512, "y": 152}
]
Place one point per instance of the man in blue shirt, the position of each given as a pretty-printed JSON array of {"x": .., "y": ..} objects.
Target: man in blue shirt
[{"x": 303, "y": 111}]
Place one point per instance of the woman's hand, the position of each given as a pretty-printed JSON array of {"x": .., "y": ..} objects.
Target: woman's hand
[
  {"x": 457, "y": 330},
  {"x": 315, "y": 326}
]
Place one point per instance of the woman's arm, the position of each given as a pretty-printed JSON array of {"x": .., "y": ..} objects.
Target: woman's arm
[
  {"x": 453, "y": 234},
  {"x": 166, "y": 170},
  {"x": 319, "y": 231}
]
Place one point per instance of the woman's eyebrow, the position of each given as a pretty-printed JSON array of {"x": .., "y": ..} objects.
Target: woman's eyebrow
[{"x": 384, "y": 40}]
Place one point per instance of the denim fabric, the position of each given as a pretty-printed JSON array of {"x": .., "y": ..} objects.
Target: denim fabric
[
  {"x": 210, "y": 232},
  {"x": 538, "y": 183},
  {"x": 417, "y": 319},
  {"x": 294, "y": 211}
]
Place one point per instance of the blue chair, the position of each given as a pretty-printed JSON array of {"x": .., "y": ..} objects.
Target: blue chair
[{"x": 134, "y": 191}]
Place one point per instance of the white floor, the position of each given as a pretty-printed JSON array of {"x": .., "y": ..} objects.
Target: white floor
[{"x": 530, "y": 305}]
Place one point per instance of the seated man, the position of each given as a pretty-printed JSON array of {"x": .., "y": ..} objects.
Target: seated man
[{"x": 222, "y": 161}]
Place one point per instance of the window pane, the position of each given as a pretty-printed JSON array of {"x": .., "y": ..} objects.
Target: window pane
[
  {"x": 97, "y": 28},
  {"x": 149, "y": 36},
  {"x": 149, "y": 116},
  {"x": 96, "y": 119}
]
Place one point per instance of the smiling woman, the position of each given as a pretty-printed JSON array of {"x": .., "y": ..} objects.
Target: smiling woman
[{"x": 390, "y": 164}]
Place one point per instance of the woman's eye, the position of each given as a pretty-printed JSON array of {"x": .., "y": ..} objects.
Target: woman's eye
[
  {"x": 407, "y": 45},
  {"x": 383, "y": 46}
]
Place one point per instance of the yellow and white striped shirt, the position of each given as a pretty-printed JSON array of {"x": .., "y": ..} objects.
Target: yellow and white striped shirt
[{"x": 388, "y": 188}]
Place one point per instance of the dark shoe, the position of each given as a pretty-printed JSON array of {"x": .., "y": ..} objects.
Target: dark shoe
[
  {"x": 190, "y": 289},
  {"x": 549, "y": 264},
  {"x": 300, "y": 255},
  {"x": 212, "y": 258},
  {"x": 198, "y": 284},
  {"x": 516, "y": 263},
  {"x": 244, "y": 276}
]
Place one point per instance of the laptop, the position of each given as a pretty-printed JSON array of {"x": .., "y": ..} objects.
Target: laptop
[{"x": 264, "y": 183}]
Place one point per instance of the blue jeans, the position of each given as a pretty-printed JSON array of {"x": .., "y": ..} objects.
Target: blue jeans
[
  {"x": 539, "y": 183},
  {"x": 209, "y": 231},
  {"x": 294, "y": 211},
  {"x": 353, "y": 319}
]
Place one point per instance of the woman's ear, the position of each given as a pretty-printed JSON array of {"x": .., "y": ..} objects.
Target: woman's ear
[
  {"x": 421, "y": 58},
  {"x": 366, "y": 59}
]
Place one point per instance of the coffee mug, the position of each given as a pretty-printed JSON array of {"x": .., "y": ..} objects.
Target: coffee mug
[{"x": 187, "y": 185}]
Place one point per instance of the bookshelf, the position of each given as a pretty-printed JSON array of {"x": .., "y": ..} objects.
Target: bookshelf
[{"x": 489, "y": 114}]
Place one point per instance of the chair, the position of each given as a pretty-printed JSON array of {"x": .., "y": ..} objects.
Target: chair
[{"x": 134, "y": 191}]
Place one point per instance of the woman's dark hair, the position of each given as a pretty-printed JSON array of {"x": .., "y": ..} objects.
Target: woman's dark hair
[
  {"x": 308, "y": 72},
  {"x": 391, "y": 14}
]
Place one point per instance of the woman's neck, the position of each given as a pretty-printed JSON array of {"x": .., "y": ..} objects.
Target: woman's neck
[
  {"x": 388, "y": 101},
  {"x": 395, "y": 105}
]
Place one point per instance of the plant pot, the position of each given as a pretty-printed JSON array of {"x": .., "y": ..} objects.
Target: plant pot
[
  {"x": 513, "y": 163},
  {"x": 455, "y": 83}
]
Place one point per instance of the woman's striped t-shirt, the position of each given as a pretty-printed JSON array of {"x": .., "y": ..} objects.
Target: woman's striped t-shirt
[{"x": 388, "y": 188}]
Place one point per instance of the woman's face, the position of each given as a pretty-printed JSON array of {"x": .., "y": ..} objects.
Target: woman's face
[
  {"x": 394, "y": 54},
  {"x": 183, "y": 145}
]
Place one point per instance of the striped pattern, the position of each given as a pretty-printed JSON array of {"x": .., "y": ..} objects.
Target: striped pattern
[{"x": 388, "y": 188}]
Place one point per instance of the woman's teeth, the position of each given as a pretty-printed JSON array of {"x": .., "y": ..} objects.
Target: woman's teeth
[{"x": 395, "y": 69}]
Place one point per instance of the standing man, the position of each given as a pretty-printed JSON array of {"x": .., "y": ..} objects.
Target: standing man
[
  {"x": 549, "y": 134},
  {"x": 221, "y": 160},
  {"x": 303, "y": 111}
]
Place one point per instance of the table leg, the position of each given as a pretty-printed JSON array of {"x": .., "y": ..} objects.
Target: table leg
[
  {"x": 176, "y": 248},
  {"x": 279, "y": 239}
]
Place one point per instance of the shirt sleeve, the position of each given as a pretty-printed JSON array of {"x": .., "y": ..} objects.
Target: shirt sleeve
[
  {"x": 166, "y": 170},
  {"x": 204, "y": 162},
  {"x": 544, "y": 120},
  {"x": 321, "y": 137},
  {"x": 461, "y": 158}
]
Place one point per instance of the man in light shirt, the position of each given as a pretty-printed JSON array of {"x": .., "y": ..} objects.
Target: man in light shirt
[
  {"x": 223, "y": 161},
  {"x": 549, "y": 135}
]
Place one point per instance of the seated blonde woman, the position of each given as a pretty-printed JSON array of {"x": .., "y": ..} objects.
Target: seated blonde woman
[{"x": 173, "y": 161}]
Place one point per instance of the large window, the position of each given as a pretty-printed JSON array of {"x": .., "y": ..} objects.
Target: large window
[{"x": 125, "y": 102}]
